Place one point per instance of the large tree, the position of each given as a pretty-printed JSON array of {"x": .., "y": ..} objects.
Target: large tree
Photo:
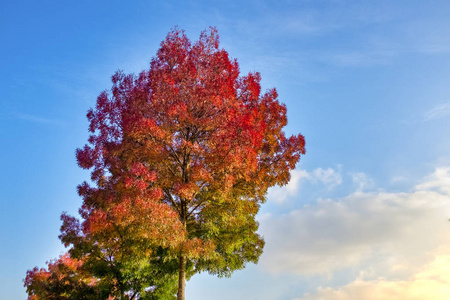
[{"x": 181, "y": 156}]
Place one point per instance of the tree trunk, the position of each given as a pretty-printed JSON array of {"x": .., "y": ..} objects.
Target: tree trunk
[
  {"x": 181, "y": 277},
  {"x": 182, "y": 264}
]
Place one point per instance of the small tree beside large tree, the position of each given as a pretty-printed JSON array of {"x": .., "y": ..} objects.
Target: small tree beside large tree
[{"x": 181, "y": 156}]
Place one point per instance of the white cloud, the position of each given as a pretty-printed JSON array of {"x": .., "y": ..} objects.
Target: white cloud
[
  {"x": 362, "y": 181},
  {"x": 438, "y": 181},
  {"x": 328, "y": 177},
  {"x": 388, "y": 235},
  {"x": 280, "y": 194}
]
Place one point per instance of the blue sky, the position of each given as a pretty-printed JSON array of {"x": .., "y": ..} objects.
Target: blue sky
[{"x": 367, "y": 83}]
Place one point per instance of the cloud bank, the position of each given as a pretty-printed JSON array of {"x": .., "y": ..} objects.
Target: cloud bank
[
  {"x": 431, "y": 283},
  {"x": 397, "y": 243}
]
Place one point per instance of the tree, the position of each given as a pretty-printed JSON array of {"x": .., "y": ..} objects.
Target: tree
[{"x": 181, "y": 156}]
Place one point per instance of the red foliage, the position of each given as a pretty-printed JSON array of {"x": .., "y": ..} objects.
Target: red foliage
[{"x": 62, "y": 276}]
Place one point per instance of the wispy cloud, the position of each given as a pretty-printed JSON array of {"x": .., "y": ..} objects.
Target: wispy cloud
[
  {"x": 36, "y": 119},
  {"x": 360, "y": 58},
  {"x": 437, "y": 112}
]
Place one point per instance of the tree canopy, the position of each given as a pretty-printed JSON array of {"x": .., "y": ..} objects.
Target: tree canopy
[{"x": 181, "y": 158}]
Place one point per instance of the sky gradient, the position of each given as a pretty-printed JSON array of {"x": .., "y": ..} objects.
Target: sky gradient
[{"x": 365, "y": 215}]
